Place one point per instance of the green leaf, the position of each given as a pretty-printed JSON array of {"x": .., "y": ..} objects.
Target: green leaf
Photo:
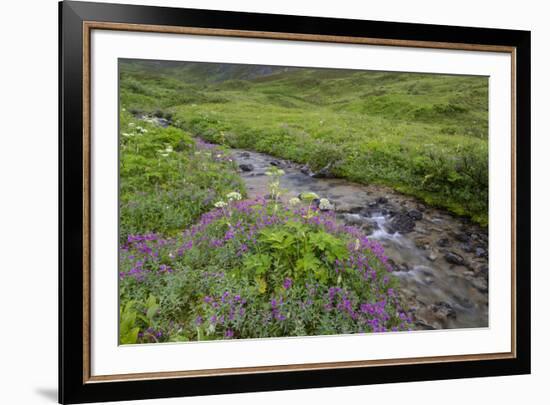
[
  {"x": 262, "y": 285},
  {"x": 152, "y": 311},
  {"x": 257, "y": 264},
  {"x": 129, "y": 337},
  {"x": 308, "y": 262}
]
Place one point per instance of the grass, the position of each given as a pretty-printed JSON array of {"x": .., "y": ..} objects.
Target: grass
[
  {"x": 424, "y": 135},
  {"x": 166, "y": 180}
]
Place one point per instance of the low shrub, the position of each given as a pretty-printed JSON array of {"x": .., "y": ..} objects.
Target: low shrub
[{"x": 257, "y": 269}]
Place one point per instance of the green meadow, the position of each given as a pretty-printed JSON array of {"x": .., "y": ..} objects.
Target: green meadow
[{"x": 424, "y": 135}]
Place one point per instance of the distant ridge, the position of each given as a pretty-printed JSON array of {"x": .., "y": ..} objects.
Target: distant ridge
[{"x": 209, "y": 72}]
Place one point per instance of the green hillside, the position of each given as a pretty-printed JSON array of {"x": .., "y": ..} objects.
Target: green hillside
[{"x": 422, "y": 134}]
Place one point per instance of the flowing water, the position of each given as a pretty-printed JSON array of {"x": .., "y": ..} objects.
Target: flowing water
[{"x": 441, "y": 260}]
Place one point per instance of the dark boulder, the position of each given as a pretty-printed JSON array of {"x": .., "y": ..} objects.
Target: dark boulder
[
  {"x": 402, "y": 223},
  {"x": 415, "y": 214},
  {"x": 462, "y": 237},
  {"x": 306, "y": 170},
  {"x": 480, "y": 252},
  {"x": 245, "y": 167},
  {"x": 443, "y": 242},
  {"x": 454, "y": 258},
  {"x": 382, "y": 200}
]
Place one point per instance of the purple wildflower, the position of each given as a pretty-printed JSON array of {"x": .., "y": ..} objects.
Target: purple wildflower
[{"x": 287, "y": 284}]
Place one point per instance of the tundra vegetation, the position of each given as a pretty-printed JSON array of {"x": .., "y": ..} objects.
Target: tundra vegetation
[{"x": 200, "y": 261}]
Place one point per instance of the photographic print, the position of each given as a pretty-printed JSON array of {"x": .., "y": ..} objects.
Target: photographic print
[
  {"x": 254, "y": 202},
  {"x": 264, "y": 201}
]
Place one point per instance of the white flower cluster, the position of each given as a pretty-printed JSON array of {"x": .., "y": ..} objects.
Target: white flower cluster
[
  {"x": 294, "y": 201},
  {"x": 141, "y": 129},
  {"x": 220, "y": 204},
  {"x": 165, "y": 152},
  {"x": 324, "y": 204},
  {"x": 234, "y": 196}
]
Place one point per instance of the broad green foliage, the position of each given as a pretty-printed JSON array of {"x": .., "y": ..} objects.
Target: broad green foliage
[
  {"x": 296, "y": 251},
  {"x": 423, "y": 134},
  {"x": 248, "y": 270},
  {"x": 138, "y": 322},
  {"x": 128, "y": 321}
]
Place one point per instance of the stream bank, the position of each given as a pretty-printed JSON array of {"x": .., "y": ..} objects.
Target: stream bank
[{"x": 440, "y": 259}]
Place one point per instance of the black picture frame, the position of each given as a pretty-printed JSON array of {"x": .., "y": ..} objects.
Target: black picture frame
[{"x": 73, "y": 387}]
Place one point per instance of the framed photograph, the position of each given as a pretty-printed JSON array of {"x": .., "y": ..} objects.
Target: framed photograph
[{"x": 255, "y": 202}]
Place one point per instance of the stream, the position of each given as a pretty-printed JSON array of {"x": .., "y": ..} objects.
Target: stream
[{"x": 440, "y": 259}]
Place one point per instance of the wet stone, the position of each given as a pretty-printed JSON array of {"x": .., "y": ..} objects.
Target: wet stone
[
  {"x": 454, "y": 258},
  {"x": 402, "y": 223},
  {"x": 443, "y": 242},
  {"x": 415, "y": 214},
  {"x": 245, "y": 167},
  {"x": 306, "y": 170},
  {"x": 462, "y": 237},
  {"x": 480, "y": 252}
]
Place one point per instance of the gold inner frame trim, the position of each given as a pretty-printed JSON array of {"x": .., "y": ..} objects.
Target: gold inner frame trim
[{"x": 88, "y": 26}]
